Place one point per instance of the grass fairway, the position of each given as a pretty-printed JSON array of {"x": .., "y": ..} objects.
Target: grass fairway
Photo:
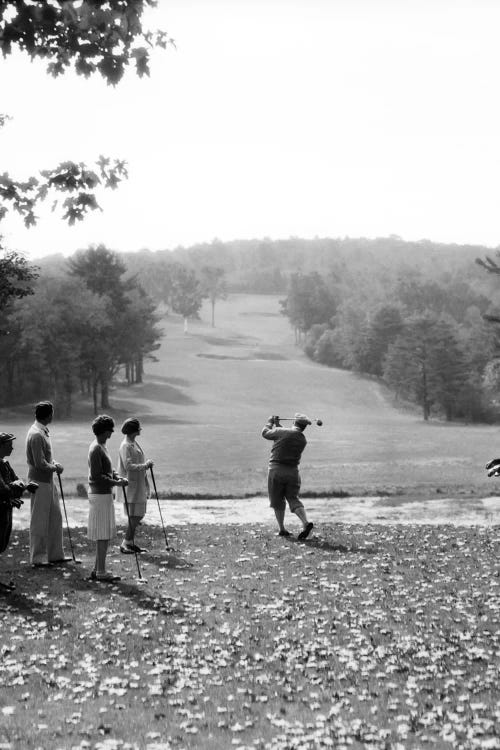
[
  {"x": 364, "y": 637},
  {"x": 205, "y": 400}
]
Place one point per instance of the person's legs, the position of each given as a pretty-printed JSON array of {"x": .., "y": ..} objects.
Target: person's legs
[
  {"x": 55, "y": 550},
  {"x": 5, "y": 531},
  {"x": 277, "y": 499},
  {"x": 133, "y": 523},
  {"x": 100, "y": 573},
  {"x": 301, "y": 515},
  {"x": 128, "y": 543},
  {"x": 296, "y": 505},
  {"x": 280, "y": 518},
  {"x": 39, "y": 523},
  {"x": 5, "y": 525},
  {"x": 100, "y": 558}
]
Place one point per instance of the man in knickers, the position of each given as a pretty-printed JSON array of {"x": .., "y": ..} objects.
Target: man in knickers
[{"x": 283, "y": 480}]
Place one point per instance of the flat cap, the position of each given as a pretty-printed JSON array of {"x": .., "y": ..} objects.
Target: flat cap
[
  {"x": 6, "y": 437},
  {"x": 301, "y": 419}
]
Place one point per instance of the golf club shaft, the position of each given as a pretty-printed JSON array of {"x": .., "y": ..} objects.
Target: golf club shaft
[
  {"x": 128, "y": 516},
  {"x": 159, "y": 507},
  {"x": 66, "y": 517},
  {"x": 292, "y": 419}
]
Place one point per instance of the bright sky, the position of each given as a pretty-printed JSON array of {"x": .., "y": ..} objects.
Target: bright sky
[{"x": 275, "y": 118}]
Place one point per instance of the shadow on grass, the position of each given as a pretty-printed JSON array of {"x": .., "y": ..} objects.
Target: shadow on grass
[
  {"x": 133, "y": 588},
  {"x": 238, "y": 340},
  {"x": 158, "y": 392},
  {"x": 136, "y": 592},
  {"x": 182, "y": 382},
  {"x": 25, "y": 605},
  {"x": 327, "y": 546}
]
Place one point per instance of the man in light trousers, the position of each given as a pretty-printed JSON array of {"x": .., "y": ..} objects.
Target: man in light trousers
[{"x": 46, "y": 537}]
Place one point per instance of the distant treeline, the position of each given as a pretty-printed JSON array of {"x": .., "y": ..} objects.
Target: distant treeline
[
  {"x": 264, "y": 266},
  {"x": 64, "y": 336},
  {"x": 410, "y": 313}
]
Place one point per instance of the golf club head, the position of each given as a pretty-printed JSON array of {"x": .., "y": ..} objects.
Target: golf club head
[
  {"x": 493, "y": 467},
  {"x": 491, "y": 463}
]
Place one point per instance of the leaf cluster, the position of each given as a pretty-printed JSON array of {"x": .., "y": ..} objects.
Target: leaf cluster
[
  {"x": 92, "y": 36},
  {"x": 68, "y": 177},
  {"x": 17, "y": 276}
]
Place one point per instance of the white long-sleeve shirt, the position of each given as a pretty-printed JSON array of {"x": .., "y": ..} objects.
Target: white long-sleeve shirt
[{"x": 132, "y": 465}]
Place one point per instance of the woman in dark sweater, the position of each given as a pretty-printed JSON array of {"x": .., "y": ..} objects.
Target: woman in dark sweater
[{"x": 102, "y": 479}]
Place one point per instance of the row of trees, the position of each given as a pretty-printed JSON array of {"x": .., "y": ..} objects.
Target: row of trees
[
  {"x": 69, "y": 332},
  {"x": 427, "y": 338},
  {"x": 183, "y": 290},
  {"x": 73, "y": 333},
  {"x": 264, "y": 266}
]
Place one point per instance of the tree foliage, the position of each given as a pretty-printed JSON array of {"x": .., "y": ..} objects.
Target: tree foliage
[
  {"x": 58, "y": 328},
  {"x": 76, "y": 180},
  {"x": 76, "y": 332},
  {"x": 213, "y": 284},
  {"x": 129, "y": 331},
  {"x": 91, "y": 36},
  {"x": 186, "y": 296},
  {"x": 419, "y": 330},
  {"x": 308, "y": 301},
  {"x": 17, "y": 276}
]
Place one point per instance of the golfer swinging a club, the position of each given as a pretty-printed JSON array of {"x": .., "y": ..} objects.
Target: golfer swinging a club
[{"x": 283, "y": 479}]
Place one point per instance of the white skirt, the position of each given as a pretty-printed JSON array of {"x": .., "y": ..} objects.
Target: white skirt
[{"x": 101, "y": 524}]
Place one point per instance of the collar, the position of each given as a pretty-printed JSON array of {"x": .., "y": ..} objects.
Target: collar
[{"x": 43, "y": 428}]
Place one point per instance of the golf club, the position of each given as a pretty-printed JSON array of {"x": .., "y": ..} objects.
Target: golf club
[
  {"x": 141, "y": 579},
  {"x": 77, "y": 562},
  {"x": 493, "y": 467},
  {"x": 167, "y": 546},
  {"x": 319, "y": 422}
]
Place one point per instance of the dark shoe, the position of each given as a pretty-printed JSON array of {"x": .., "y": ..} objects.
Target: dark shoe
[
  {"x": 41, "y": 565},
  {"x": 61, "y": 561},
  {"x": 305, "y": 533},
  {"x": 129, "y": 549},
  {"x": 6, "y": 587},
  {"x": 285, "y": 532},
  {"x": 125, "y": 549}
]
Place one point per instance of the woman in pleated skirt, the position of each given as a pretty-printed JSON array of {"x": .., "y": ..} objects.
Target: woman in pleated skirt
[{"x": 102, "y": 480}]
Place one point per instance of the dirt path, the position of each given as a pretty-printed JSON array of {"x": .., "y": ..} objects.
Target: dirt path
[{"x": 463, "y": 512}]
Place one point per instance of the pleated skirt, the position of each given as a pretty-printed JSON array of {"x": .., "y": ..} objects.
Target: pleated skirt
[{"x": 101, "y": 523}]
